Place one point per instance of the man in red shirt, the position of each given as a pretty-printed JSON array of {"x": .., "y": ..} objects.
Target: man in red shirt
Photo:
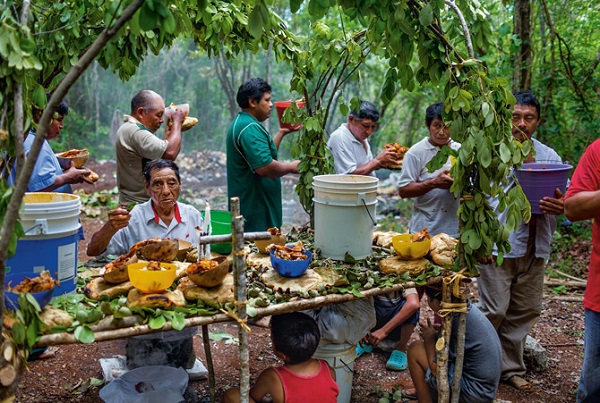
[{"x": 582, "y": 202}]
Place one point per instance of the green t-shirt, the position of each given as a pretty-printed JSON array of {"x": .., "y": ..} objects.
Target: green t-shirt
[{"x": 250, "y": 146}]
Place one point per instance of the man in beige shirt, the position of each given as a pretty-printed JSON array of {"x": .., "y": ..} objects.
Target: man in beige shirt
[{"x": 137, "y": 144}]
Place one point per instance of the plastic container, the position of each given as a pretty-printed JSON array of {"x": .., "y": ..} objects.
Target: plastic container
[
  {"x": 409, "y": 250},
  {"x": 344, "y": 214},
  {"x": 220, "y": 221},
  {"x": 290, "y": 268},
  {"x": 51, "y": 224},
  {"x": 540, "y": 180},
  {"x": 11, "y": 299},
  {"x": 341, "y": 358},
  {"x": 151, "y": 281},
  {"x": 281, "y": 106}
]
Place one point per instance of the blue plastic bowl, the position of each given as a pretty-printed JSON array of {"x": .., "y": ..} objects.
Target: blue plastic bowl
[
  {"x": 290, "y": 268},
  {"x": 11, "y": 299}
]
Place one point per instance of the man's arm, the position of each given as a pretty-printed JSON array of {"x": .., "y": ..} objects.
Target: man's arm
[
  {"x": 415, "y": 189},
  {"x": 173, "y": 135},
  {"x": 276, "y": 169},
  {"x": 384, "y": 157},
  {"x": 281, "y": 133},
  {"x": 117, "y": 219},
  {"x": 583, "y": 205},
  {"x": 70, "y": 176}
]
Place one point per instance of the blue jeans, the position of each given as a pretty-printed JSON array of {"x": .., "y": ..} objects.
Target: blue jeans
[{"x": 589, "y": 383}]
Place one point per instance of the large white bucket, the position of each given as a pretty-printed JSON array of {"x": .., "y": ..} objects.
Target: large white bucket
[
  {"x": 341, "y": 358},
  {"x": 344, "y": 214},
  {"x": 51, "y": 224}
]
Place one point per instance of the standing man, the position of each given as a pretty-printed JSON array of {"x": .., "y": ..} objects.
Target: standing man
[
  {"x": 582, "y": 202},
  {"x": 137, "y": 144},
  {"x": 47, "y": 175},
  {"x": 434, "y": 207},
  {"x": 510, "y": 295},
  {"x": 253, "y": 172},
  {"x": 350, "y": 148}
]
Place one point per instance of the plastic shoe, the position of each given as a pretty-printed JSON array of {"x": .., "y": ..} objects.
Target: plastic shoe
[
  {"x": 397, "y": 361},
  {"x": 363, "y": 348}
]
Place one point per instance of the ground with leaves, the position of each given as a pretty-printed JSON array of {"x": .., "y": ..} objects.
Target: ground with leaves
[{"x": 73, "y": 373}]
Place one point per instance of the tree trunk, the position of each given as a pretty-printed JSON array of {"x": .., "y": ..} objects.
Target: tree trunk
[{"x": 523, "y": 57}]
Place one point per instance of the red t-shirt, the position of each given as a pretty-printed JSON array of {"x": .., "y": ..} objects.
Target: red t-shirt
[
  {"x": 320, "y": 388},
  {"x": 587, "y": 178}
]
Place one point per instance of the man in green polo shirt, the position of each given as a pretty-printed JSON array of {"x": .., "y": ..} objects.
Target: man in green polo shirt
[{"x": 253, "y": 172}]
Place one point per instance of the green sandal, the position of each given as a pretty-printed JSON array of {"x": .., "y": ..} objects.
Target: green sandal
[{"x": 397, "y": 361}]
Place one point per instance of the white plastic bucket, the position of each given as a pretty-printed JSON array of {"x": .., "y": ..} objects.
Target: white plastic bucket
[
  {"x": 51, "y": 224},
  {"x": 341, "y": 358},
  {"x": 344, "y": 214}
]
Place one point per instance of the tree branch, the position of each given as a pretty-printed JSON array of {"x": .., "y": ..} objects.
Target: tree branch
[{"x": 465, "y": 28}]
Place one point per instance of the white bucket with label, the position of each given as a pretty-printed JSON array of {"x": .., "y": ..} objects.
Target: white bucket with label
[
  {"x": 344, "y": 214},
  {"x": 51, "y": 224},
  {"x": 341, "y": 358}
]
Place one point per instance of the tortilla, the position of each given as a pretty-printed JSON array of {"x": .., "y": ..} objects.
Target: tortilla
[
  {"x": 258, "y": 259},
  {"x": 443, "y": 249},
  {"x": 165, "y": 300},
  {"x": 310, "y": 280},
  {"x": 395, "y": 265},
  {"x": 215, "y": 296},
  {"x": 98, "y": 287}
]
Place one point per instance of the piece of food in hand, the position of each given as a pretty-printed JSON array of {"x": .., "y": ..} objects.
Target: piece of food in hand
[
  {"x": 420, "y": 236},
  {"x": 169, "y": 110},
  {"x": 443, "y": 249},
  {"x": 92, "y": 176},
  {"x": 188, "y": 123},
  {"x": 399, "y": 150},
  {"x": 43, "y": 282}
]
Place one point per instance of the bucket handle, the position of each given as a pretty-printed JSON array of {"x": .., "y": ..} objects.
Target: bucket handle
[
  {"x": 368, "y": 212},
  {"x": 347, "y": 367}
]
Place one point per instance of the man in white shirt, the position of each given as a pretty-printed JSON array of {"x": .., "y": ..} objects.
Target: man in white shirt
[{"x": 349, "y": 146}]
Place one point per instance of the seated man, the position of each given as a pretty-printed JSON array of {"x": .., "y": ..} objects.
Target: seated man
[
  {"x": 482, "y": 357},
  {"x": 397, "y": 314},
  {"x": 161, "y": 216}
]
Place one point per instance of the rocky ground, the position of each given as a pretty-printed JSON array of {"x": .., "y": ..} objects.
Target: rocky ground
[{"x": 68, "y": 376}]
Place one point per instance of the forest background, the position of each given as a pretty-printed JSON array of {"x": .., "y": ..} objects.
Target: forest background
[{"x": 559, "y": 64}]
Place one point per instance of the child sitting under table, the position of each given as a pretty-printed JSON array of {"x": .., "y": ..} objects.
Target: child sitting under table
[{"x": 301, "y": 378}]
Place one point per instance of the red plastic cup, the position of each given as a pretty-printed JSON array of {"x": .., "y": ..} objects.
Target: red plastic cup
[{"x": 281, "y": 106}]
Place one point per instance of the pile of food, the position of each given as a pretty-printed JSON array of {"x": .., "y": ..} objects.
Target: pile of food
[
  {"x": 295, "y": 253},
  {"x": 420, "y": 236},
  {"x": 399, "y": 150},
  {"x": 202, "y": 266},
  {"x": 43, "y": 282},
  {"x": 153, "y": 266}
]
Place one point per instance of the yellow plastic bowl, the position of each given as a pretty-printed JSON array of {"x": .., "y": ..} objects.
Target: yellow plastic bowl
[
  {"x": 410, "y": 250},
  {"x": 151, "y": 281}
]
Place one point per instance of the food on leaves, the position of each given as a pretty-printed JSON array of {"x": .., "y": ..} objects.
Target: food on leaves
[{"x": 443, "y": 249}]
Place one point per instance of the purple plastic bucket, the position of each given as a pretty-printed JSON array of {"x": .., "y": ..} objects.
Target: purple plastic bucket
[{"x": 541, "y": 180}]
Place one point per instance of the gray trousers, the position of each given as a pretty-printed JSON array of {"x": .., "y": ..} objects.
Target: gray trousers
[{"x": 510, "y": 296}]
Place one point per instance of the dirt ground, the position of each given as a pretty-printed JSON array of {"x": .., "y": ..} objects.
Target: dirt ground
[{"x": 65, "y": 376}]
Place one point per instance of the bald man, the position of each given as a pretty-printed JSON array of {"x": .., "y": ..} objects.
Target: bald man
[{"x": 137, "y": 144}]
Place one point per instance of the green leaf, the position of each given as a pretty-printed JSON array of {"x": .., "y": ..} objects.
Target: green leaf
[
  {"x": 505, "y": 155},
  {"x": 169, "y": 23},
  {"x": 178, "y": 321},
  {"x": 18, "y": 332},
  {"x": 84, "y": 334},
  {"x": 157, "y": 322},
  {"x": 148, "y": 19},
  {"x": 426, "y": 15},
  {"x": 295, "y": 5},
  {"x": 255, "y": 22}
]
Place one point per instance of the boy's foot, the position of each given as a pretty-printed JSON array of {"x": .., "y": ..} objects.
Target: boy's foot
[
  {"x": 409, "y": 394},
  {"x": 397, "y": 361},
  {"x": 363, "y": 348}
]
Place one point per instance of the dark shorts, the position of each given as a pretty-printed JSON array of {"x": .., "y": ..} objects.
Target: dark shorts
[{"x": 385, "y": 314}]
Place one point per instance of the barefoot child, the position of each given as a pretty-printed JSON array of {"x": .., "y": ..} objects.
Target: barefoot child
[{"x": 301, "y": 378}]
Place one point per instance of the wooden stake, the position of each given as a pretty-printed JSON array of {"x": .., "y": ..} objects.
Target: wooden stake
[
  {"x": 209, "y": 364},
  {"x": 460, "y": 356},
  {"x": 442, "y": 347}
]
